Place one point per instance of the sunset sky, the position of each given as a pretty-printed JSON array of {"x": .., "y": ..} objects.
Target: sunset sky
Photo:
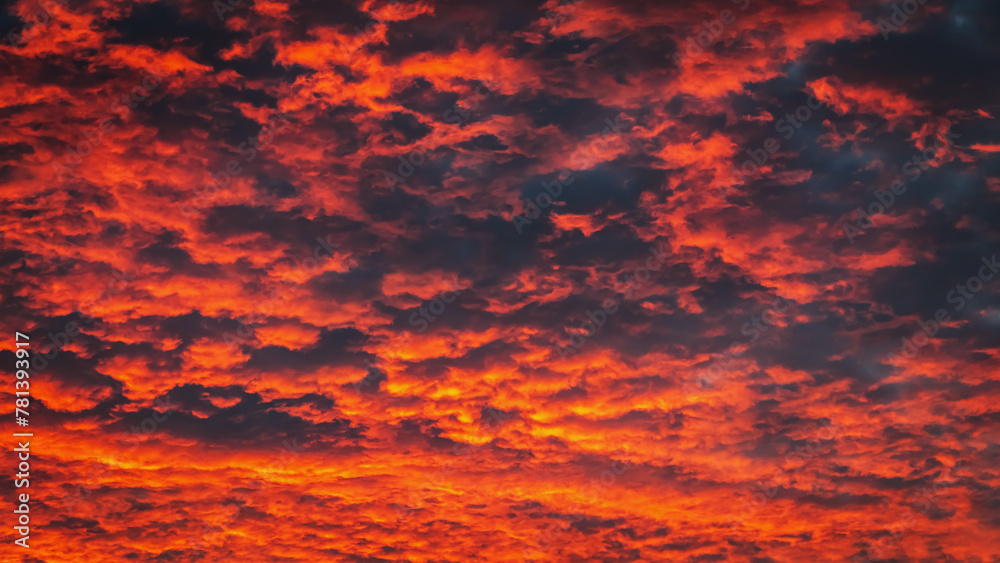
[{"x": 440, "y": 281}]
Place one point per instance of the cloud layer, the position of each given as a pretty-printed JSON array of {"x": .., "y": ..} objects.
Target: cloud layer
[{"x": 560, "y": 281}]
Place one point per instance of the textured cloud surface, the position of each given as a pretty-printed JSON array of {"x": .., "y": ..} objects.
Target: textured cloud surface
[{"x": 505, "y": 281}]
